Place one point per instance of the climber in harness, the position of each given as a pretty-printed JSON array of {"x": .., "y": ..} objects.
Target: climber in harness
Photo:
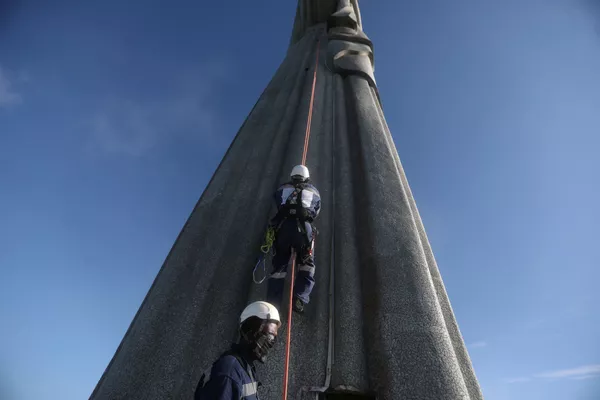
[
  {"x": 233, "y": 375},
  {"x": 298, "y": 204}
]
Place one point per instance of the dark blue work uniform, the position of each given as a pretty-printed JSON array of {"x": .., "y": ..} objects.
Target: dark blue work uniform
[
  {"x": 294, "y": 232},
  {"x": 231, "y": 377}
]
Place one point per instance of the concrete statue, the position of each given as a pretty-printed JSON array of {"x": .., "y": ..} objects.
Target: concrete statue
[{"x": 379, "y": 321}]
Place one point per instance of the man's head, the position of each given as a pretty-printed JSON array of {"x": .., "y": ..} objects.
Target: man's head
[
  {"x": 299, "y": 173},
  {"x": 259, "y": 323}
]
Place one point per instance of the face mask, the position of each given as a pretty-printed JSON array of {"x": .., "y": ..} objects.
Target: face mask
[{"x": 263, "y": 343}]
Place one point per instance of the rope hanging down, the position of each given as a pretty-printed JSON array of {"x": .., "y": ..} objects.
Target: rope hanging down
[
  {"x": 310, "y": 108},
  {"x": 286, "y": 369}
]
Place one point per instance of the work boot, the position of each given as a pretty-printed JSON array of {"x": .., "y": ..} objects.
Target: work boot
[{"x": 298, "y": 305}]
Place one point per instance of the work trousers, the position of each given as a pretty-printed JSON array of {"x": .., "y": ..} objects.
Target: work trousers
[{"x": 290, "y": 237}]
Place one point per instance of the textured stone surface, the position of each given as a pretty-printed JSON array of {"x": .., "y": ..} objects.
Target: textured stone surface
[{"x": 394, "y": 330}]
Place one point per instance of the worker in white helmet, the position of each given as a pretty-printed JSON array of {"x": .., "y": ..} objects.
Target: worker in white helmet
[
  {"x": 298, "y": 204},
  {"x": 233, "y": 375}
]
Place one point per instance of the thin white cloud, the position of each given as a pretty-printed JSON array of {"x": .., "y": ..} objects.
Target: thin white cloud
[
  {"x": 136, "y": 127},
  {"x": 584, "y": 372},
  {"x": 8, "y": 97},
  {"x": 479, "y": 344},
  {"x": 583, "y": 377},
  {"x": 518, "y": 380},
  {"x": 587, "y": 371}
]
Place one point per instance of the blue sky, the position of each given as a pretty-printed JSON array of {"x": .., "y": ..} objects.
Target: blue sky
[{"x": 114, "y": 115}]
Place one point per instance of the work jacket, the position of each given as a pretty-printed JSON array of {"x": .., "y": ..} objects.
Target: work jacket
[{"x": 231, "y": 377}]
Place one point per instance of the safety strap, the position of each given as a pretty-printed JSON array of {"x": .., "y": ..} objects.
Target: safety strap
[
  {"x": 298, "y": 207},
  {"x": 295, "y": 209},
  {"x": 289, "y": 209},
  {"x": 294, "y": 195}
]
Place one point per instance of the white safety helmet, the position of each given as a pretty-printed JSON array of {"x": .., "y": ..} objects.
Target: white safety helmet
[
  {"x": 300, "y": 172},
  {"x": 262, "y": 310}
]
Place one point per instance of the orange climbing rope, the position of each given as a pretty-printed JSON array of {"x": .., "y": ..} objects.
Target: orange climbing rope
[
  {"x": 310, "y": 108},
  {"x": 286, "y": 369}
]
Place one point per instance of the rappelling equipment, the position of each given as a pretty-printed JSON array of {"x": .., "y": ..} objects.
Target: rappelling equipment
[
  {"x": 265, "y": 249},
  {"x": 269, "y": 239}
]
